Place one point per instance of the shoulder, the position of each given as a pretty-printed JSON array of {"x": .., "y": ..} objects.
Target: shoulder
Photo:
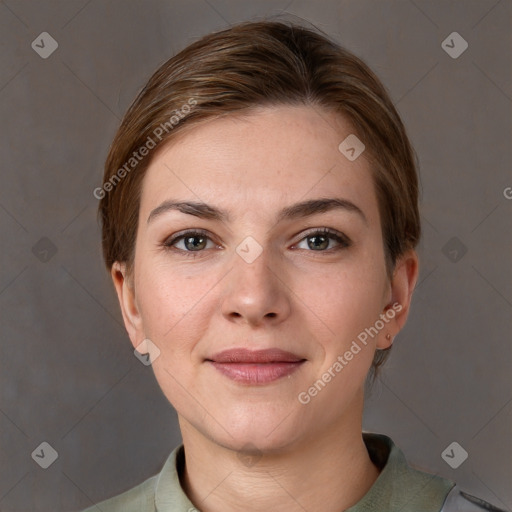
[
  {"x": 162, "y": 491},
  {"x": 401, "y": 486},
  {"x": 140, "y": 498},
  {"x": 459, "y": 501}
]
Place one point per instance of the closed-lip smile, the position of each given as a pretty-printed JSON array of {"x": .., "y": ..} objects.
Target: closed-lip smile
[{"x": 255, "y": 366}]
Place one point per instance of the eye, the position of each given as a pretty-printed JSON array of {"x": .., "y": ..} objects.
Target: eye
[
  {"x": 320, "y": 240},
  {"x": 197, "y": 240},
  {"x": 192, "y": 241}
]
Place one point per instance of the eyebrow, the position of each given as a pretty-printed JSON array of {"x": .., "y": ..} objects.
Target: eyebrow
[{"x": 298, "y": 210}]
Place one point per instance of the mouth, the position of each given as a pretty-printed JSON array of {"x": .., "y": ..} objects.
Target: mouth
[{"x": 255, "y": 366}]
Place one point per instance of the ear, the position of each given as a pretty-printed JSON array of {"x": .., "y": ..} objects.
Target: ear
[
  {"x": 402, "y": 285},
  {"x": 126, "y": 296}
]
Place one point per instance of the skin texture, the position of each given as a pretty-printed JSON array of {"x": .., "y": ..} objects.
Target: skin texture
[{"x": 312, "y": 302}]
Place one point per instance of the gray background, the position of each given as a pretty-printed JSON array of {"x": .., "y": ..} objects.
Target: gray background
[{"x": 68, "y": 374}]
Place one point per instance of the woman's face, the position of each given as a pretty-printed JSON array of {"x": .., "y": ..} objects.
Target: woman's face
[{"x": 252, "y": 276}]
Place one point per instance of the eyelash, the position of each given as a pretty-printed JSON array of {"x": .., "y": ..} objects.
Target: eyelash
[{"x": 343, "y": 241}]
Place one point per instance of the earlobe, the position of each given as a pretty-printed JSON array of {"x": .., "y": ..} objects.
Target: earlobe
[
  {"x": 126, "y": 296},
  {"x": 403, "y": 283}
]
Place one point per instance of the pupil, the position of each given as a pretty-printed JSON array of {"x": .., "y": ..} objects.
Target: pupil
[
  {"x": 322, "y": 245},
  {"x": 191, "y": 246}
]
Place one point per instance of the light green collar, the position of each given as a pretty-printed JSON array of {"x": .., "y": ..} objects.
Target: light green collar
[{"x": 398, "y": 487}]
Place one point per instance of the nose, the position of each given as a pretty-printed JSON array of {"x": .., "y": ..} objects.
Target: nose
[{"x": 256, "y": 293}]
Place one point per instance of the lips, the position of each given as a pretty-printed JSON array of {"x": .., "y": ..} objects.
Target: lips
[
  {"x": 242, "y": 355},
  {"x": 255, "y": 366}
]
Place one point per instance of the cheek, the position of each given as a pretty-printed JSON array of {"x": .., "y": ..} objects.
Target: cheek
[
  {"x": 346, "y": 298},
  {"x": 176, "y": 310},
  {"x": 348, "y": 302},
  {"x": 164, "y": 299}
]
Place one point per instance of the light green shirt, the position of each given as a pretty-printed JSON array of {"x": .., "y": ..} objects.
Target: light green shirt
[{"x": 398, "y": 487}]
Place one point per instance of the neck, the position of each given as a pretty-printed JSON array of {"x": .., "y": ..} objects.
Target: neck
[{"x": 329, "y": 471}]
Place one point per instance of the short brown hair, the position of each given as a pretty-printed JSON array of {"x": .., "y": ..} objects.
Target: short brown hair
[{"x": 250, "y": 65}]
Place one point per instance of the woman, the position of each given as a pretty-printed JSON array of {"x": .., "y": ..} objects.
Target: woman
[{"x": 260, "y": 218}]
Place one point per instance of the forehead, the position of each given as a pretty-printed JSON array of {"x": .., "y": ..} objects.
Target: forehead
[{"x": 257, "y": 163}]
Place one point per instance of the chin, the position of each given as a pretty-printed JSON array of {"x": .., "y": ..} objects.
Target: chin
[
  {"x": 257, "y": 442},
  {"x": 265, "y": 430}
]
